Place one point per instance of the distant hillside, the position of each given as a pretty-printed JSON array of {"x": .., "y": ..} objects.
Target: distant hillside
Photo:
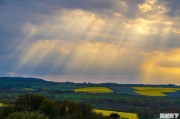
[
  {"x": 20, "y": 79},
  {"x": 139, "y": 85},
  {"x": 19, "y": 82}
]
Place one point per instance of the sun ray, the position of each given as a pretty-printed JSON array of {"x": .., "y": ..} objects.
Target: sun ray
[{"x": 79, "y": 42}]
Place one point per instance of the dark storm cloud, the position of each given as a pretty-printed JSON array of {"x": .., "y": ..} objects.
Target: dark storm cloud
[
  {"x": 102, "y": 6},
  {"x": 133, "y": 8},
  {"x": 45, "y": 6},
  {"x": 26, "y": 9}
]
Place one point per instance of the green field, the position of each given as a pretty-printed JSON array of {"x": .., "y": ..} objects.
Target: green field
[
  {"x": 28, "y": 89},
  {"x": 154, "y": 91},
  {"x": 94, "y": 90},
  {"x": 122, "y": 114}
]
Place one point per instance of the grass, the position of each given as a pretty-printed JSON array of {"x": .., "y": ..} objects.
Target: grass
[
  {"x": 122, "y": 114},
  {"x": 123, "y": 90},
  {"x": 154, "y": 91},
  {"x": 80, "y": 97},
  {"x": 29, "y": 89},
  {"x": 94, "y": 90}
]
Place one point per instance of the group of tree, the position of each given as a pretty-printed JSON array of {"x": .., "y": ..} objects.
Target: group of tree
[
  {"x": 145, "y": 107},
  {"x": 31, "y": 106}
]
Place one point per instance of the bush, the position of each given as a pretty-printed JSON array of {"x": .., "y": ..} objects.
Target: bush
[
  {"x": 27, "y": 115},
  {"x": 48, "y": 107},
  {"x": 29, "y": 102},
  {"x": 32, "y": 106}
]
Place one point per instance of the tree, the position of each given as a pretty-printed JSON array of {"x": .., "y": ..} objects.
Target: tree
[
  {"x": 29, "y": 102},
  {"x": 115, "y": 116},
  {"x": 85, "y": 109},
  {"x": 48, "y": 107}
]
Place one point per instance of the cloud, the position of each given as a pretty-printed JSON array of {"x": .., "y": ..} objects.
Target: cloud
[
  {"x": 162, "y": 66},
  {"x": 86, "y": 58},
  {"x": 174, "y": 10},
  {"x": 89, "y": 39}
]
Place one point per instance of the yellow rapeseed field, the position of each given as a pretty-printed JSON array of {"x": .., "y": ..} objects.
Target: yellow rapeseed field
[
  {"x": 154, "y": 91},
  {"x": 122, "y": 114},
  {"x": 94, "y": 90},
  {"x": 2, "y": 104}
]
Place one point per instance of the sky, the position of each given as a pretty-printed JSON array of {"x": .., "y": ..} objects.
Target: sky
[{"x": 120, "y": 41}]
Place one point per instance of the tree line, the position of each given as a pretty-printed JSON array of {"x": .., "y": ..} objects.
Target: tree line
[{"x": 31, "y": 106}]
